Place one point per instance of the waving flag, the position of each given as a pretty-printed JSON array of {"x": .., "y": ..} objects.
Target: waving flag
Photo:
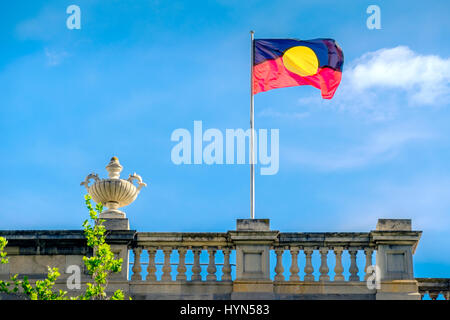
[{"x": 280, "y": 63}]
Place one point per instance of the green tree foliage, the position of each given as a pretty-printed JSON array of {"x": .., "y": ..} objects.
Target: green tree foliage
[
  {"x": 100, "y": 266},
  {"x": 102, "y": 263},
  {"x": 3, "y": 258},
  {"x": 42, "y": 289}
]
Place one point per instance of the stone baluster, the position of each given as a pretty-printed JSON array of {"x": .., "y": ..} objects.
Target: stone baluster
[
  {"x": 226, "y": 269},
  {"x": 324, "y": 265},
  {"x": 338, "y": 269},
  {"x": 353, "y": 266},
  {"x": 137, "y": 264},
  {"x": 279, "y": 266},
  {"x": 368, "y": 252},
  {"x": 211, "y": 276},
  {"x": 181, "y": 269},
  {"x": 151, "y": 268},
  {"x": 294, "y": 265},
  {"x": 167, "y": 269},
  {"x": 433, "y": 295},
  {"x": 308, "y": 265},
  {"x": 196, "y": 268}
]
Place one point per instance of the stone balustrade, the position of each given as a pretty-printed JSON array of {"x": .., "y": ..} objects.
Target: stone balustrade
[
  {"x": 251, "y": 262},
  {"x": 324, "y": 244},
  {"x": 434, "y": 287},
  {"x": 180, "y": 245}
]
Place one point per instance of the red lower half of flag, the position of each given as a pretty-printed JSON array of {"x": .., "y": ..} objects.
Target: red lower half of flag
[{"x": 272, "y": 74}]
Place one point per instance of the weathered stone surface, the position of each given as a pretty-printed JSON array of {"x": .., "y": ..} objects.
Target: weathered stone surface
[
  {"x": 398, "y": 290},
  {"x": 13, "y": 296},
  {"x": 325, "y": 239},
  {"x": 394, "y": 225},
  {"x": 323, "y": 288},
  {"x": 116, "y": 224},
  {"x": 252, "y": 224},
  {"x": 46, "y": 242},
  {"x": 185, "y": 238},
  {"x": 434, "y": 285},
  {"x": 253, "y": 240}
]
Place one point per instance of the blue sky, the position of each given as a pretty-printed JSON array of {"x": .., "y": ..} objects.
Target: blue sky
[{"x": 136, "y": 71}]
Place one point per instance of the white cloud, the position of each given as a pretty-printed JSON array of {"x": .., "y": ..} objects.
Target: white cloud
[
  {"x": 425, "y": 77},
  {"x": 379, "y": 147},
  {"x": 45, "y": 26},
  {"x": 55, "y": 57},
  {"x": 379, "y": 85}
]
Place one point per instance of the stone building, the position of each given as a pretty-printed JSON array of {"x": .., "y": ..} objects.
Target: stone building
[{"x": 251, "y": 262}]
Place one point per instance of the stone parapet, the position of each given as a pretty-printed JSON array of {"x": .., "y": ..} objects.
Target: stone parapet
[{"x": 246, "y": 263}]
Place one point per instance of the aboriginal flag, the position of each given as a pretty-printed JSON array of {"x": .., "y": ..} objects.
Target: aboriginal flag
[{"x": 280, "y": 63}]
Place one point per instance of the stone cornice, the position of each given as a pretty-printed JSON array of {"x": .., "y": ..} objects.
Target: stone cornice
[
  {"x": 57, "y": 242},
  {"x": 396, "y": 238}
]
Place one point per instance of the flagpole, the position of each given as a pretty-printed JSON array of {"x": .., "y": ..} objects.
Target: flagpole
[{"x": 252, "y": 120}]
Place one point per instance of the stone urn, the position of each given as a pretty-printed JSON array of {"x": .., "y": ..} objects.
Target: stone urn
[{"x": 113, "y": 192}]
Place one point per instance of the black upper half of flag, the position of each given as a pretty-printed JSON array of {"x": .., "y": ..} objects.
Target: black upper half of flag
[{"x": 328, "y": 52}]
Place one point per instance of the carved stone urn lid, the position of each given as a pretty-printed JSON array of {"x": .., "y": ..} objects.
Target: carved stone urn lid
[{"x": 114, "y": 168}]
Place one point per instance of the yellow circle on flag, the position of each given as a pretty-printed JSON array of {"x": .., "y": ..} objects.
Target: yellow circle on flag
[{"x": 301, "y": 60}]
